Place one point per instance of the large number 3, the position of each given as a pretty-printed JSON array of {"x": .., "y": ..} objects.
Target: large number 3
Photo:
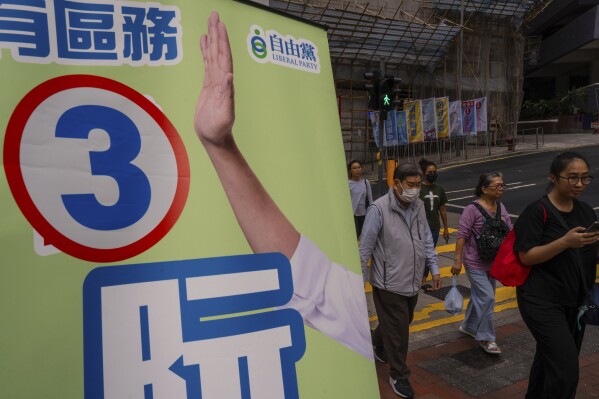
[{"x": 125, "y": 144}]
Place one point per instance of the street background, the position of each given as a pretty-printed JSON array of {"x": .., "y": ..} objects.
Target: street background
[{"x": 444, "y": 362}]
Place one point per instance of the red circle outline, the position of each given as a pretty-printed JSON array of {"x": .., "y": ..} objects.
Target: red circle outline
[{"x": 12, "y": 167}]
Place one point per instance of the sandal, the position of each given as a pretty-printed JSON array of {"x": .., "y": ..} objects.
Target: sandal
[{"x": 490, "y": 347}]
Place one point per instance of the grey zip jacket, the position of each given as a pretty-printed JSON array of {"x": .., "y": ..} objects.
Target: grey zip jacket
[{"x": 400, "y": 243}]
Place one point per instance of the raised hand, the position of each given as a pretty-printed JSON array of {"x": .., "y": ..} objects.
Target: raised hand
[{"x": 215, "y": 110}]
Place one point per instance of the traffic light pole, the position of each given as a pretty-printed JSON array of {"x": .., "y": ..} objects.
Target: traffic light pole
[{"x": 381, "y": 148}]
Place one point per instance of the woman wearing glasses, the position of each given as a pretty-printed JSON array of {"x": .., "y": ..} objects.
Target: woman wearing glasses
[
  {"x": 560, "y": 259},
  {"x": 478, "y": 320}
]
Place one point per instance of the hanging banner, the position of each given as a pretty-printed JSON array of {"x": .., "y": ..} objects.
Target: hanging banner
[
  {"x": 414, "y": 118},
  {"x": 469, "y": 117},
  {"x": 401, "y": 122},
  {"x": 429, "y": 123},
  {"x": 374, "y": 118},
  {"x": 481, "y": 114},
  {"x": 442, "y": 116},
  {"x": 391, "y": 129},
  {"x": 455, "y": 119},
  {"x": 124, "y": 271}
]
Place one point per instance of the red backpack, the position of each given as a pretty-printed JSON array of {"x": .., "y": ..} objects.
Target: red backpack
[{"x": 507, "y": 268}]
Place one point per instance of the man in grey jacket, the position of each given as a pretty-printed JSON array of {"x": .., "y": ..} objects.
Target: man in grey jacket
[{"x": 397, "y": 237}]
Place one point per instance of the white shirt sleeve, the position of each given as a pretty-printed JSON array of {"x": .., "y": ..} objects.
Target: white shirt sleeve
[{"x": 330, "y": 298}]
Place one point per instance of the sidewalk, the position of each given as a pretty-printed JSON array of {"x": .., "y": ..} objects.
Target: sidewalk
[
  {"x": 458, "y": 368},
  {"x": 445, "y": 363},
  {"x": 525, "y": 145}
]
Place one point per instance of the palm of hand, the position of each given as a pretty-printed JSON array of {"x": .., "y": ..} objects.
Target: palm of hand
[{"x": 215, "y": 110}]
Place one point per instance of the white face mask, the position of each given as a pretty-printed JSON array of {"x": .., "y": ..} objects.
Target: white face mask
[{"x": 409, "y": 194}]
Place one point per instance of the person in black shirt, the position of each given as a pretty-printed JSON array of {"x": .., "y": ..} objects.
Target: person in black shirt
[{"x": 559, "y": 277}]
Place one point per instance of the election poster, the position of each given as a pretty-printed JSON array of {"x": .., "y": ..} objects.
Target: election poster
[
  {"x": 374, "y": 118},
  {"x": 402, "y": 127},
  {"x": 414, "y": 119},
  {"x": 429, "y": 123},
  {"x": 391, "y": 129},
  {"x": 481, "y": 114},
  {"x": 442, "y": 116},
  {"x": 469, "y": 117},
  {"x": 126, "y": 267},
  {"x": 455, "y": 119}
]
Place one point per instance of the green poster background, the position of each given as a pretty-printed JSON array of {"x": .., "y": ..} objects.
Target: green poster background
[{"x": 288, "y": 129}]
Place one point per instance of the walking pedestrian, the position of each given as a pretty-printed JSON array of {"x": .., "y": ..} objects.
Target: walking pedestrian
[
  {"x": 562, "y": 264},
  {"x": 360, "y": 192},
  {"x": 434, "y": 198},
  {"x": 400, "y": 243},
  {"x": 478, "y": 320}
]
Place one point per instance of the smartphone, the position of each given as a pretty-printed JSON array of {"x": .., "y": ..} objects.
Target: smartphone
[{"x": 593, "y": 228}]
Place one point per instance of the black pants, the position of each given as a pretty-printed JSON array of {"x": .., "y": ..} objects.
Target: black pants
[
  {"x": 554, "y": 371},
  {"x": 395, "y": 313},
  {"x": 359, "y": 221}
]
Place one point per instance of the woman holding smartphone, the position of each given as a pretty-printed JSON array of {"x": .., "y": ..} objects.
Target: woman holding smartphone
[{"x": 563, "y": 263}]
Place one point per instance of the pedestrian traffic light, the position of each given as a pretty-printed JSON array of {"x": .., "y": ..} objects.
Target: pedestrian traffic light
[
  {"x": 388, "y": 93},
  {"x": 372, "y": 85}
]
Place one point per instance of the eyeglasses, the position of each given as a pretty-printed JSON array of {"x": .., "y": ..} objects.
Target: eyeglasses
[
  {"x": 498, "y": 187},
  {"x": 573, "y": 180}
]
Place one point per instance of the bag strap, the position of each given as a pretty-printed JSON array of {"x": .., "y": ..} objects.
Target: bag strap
[
  {"x": 367, "y": 201},
  {"x": 482, "y": 210},
  {"x": 576, "y": 251}
]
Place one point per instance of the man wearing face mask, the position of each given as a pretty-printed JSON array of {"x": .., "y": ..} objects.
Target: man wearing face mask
[{"x": 397, "y": 237}]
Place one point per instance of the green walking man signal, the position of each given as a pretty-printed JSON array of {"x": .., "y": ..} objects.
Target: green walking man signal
[{"x": 386, "y": 100}]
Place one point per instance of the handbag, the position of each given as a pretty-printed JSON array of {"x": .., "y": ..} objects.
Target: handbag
[
  {"x": 588, "y": 312},
  {"x": 507, "y": 267}
]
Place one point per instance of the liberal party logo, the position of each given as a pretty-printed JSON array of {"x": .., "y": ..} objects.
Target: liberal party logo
[{"x": 271, "y": 46}]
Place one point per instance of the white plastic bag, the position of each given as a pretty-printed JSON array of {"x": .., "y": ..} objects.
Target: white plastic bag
[{"x": 454, "y": 301}]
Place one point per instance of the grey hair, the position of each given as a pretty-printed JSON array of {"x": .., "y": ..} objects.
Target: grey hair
[
  {"x": 406, "y": 170},
  {"x": 484, "y": 180}
]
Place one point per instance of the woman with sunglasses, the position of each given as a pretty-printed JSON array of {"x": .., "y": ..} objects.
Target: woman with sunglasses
[
  {"x": 563, "y": 262},
  {"x": 478, "y": 320}
]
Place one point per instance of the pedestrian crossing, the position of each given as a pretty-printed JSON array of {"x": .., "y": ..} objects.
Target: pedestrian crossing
[{"x": 433, "y": 314}]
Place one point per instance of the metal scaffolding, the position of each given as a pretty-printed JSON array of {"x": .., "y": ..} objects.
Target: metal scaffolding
[{"x": 462, "y": 49}]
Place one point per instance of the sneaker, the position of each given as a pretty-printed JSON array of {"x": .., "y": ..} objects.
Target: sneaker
[
  {"x": 379, "y": 354},
  {"x": 402, "y": 388},
  {"x": 466, "y": 332}
]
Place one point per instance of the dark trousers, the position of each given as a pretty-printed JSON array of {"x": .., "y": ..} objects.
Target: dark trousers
[
  {"x": 359, "y": 221},
  {"x": 395, "y": 313},
  {"x": 554, "y": 371}
]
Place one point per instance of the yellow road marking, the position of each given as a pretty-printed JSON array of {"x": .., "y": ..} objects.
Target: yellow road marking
[
  {"x": 445, "y": 248},
  {"x": 459, "y": 317},
  {"x": 502, "y": 294}
]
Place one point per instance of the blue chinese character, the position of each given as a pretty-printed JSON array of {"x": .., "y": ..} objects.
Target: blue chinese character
[
  {"x": 308, "y": 52},
  {"x": 175, "y": 325},
  {"x": 135, "y": 33},
  {"x": 162, "y": 35},
  {"x": 276, "y": 43},
  {"x": 85, "y": 30},
  {"x": 23, "y": 28},
  {"x": 292, "y": 48}
]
